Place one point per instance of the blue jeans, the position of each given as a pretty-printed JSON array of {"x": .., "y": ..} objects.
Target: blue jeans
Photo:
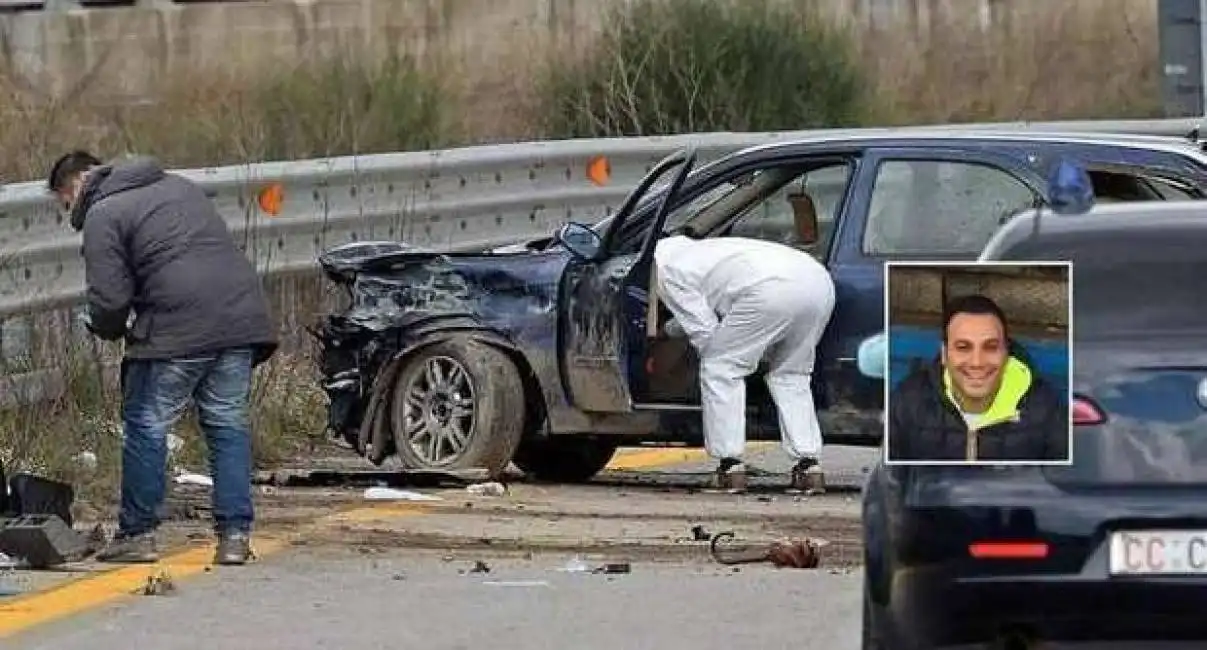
[{"x": 155, "y": 394}]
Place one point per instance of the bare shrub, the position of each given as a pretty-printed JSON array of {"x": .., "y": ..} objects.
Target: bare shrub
[
  {"x": 678, "y": 66},
  {"x": 333, "y": 106}
]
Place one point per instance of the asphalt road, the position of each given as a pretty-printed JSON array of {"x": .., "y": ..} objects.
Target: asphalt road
[
  {"x": 417, "y": 600},
  {"x": 341, "y": 572}
]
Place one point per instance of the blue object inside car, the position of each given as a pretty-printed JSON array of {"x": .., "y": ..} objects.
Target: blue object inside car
[{"x": 873, "y": 356}]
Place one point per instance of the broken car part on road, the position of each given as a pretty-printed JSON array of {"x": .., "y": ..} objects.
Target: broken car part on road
[
  {"x": 36, "y": 522},
  {"x": 799, "y": 554}
]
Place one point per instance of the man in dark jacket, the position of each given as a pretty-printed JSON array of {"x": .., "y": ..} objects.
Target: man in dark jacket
[
  {"x": 164, "y": 274},
  {"x": 980, "y": 400}
]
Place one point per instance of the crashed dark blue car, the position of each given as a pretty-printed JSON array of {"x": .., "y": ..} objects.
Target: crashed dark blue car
[{"x": 548, "y": 354}]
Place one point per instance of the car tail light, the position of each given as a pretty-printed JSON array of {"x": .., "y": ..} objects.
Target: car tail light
[
  {"x": 1085, "y": 412},
  {"x": 1008, "y": 550}
]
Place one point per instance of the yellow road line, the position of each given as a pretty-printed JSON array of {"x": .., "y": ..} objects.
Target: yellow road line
[
  {"x": 636, "y": 458},
  {"x": 104, "y": 587},
  {"x": 94, "y": 590}
]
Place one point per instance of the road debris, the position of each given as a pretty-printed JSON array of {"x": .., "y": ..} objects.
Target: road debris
[
  {"x": 394, "y": 494},
  {"x": 576, "y": 565},
  {"x": 8, "y": 576},
  {"x": 491, "y": 489},
  {"x": 480, "y": 567},
  {"x": 158, "y": 584},
  {"x": 700, "y": 534},
  {"x": 41, "y": 540},
  {"x": 797, "y": 554},
  {"x": 191, "y": 478},
  {"x": 403, "y": 478}
]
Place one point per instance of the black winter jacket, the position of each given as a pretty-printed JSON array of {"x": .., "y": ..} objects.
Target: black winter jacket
[
  {"x": 155, "y": 245},
  {"x": 1029, "y": 420}
]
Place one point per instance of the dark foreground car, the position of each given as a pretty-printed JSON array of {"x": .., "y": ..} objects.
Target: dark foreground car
[
  {"x": 1111, "y": 548},
  {"x": 550, "y": 355}
]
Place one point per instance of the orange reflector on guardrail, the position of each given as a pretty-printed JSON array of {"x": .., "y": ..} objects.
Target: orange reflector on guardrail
[
  {"x": 599, "y": 170},
  {"x": 270, "y": 199}
]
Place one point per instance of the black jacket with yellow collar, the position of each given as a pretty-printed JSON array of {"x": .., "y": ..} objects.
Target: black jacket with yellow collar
[{"x": 1028, "y": 420}]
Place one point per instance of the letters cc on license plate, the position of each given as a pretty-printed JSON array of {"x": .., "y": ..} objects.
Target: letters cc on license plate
[{"x": 1151, "y": 552}]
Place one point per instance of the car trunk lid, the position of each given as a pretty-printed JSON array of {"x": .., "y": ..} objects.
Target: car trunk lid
[{"x": 1142, "y": 400}]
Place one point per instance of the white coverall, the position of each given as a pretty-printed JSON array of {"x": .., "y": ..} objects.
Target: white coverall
[{"x": 739, "y": 300}]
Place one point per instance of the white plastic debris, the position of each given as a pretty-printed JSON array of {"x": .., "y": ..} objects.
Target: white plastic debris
[
  {"x": 394, "y": 494},
  {"x": 492, "y": 489},
  {"x": 86, "y": 460},
  {"x": 576, "y": 565},
  {"x": 189, "y": 478}
]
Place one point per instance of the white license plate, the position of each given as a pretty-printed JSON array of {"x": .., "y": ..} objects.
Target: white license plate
[{"x": 1158, "y": 552}]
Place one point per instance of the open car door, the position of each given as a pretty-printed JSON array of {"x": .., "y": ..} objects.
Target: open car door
[{"x": 593, "y": 330}]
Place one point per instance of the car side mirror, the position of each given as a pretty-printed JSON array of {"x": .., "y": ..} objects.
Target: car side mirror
[{"x": 580, "y": 240}]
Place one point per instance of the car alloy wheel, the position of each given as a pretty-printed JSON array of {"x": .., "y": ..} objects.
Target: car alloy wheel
[{"x": 440, "y": 409}]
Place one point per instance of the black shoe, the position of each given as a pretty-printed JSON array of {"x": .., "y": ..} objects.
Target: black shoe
[
  {"x": 807, "y": 477},
  {"x": 730, "y": 476},
  {"x": 234, "y": 548},
  {"x": 130, "y": 549}
]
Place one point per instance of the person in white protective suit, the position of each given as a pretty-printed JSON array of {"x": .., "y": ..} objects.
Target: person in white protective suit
[{"x": 738, "y": 301}]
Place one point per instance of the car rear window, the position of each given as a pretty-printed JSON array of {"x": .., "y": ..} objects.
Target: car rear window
[
  {"x": 1140, "y": 351},
  {"x": 1130, "y": 282}
]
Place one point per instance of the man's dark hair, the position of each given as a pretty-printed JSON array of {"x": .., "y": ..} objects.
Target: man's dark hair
[
  {"x": 67, "y": 166},
  {"x": 973, "y": 304}
]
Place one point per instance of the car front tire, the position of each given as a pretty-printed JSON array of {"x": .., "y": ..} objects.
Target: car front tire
[
  {"x": 456, "y": 405},
  {"x": 564, "y": 458}
]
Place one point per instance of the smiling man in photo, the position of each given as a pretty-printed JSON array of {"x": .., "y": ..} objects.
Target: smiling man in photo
[{"x": 980, "y": 400}]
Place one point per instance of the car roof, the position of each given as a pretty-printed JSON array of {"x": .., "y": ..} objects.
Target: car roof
[
  {"x": 843, "y": 140},
  {"x": 1181, "y": 220},
  {"x": 939, "y": 136}
]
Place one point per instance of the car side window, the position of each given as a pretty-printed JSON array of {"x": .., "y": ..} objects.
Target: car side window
[
  {"x": 938, "y": 207},
  {"x": 782, "y": 217}
]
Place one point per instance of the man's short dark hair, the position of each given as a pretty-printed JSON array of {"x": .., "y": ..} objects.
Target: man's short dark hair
[
  {"x": 67, "y": 166},
  {"x": 973, "y": 304}
]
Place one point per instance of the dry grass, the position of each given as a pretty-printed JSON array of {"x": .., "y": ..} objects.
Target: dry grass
[
  {"x": 1057, "y": 60},
  {"x": 335, "y": 106},
  {"x": 1050, "y": 60},
  {"x": 1071, "y": 59},
  {"x": 54, "y": 437}
]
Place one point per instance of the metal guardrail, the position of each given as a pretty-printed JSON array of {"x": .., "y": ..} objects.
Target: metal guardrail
[{"x": 472, "y": 197}]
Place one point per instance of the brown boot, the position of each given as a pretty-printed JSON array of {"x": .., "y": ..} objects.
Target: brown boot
[
  {"x": 730, "y": 476},
  {"x": 808, "y": 477}
]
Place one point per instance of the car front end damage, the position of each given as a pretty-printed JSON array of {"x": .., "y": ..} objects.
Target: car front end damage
[
  {"x": 357, "y": 341},
  {"x": 416, "y": 320}
]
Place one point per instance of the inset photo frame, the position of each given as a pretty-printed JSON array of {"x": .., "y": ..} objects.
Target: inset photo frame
[{"x": 979, "y": 360}]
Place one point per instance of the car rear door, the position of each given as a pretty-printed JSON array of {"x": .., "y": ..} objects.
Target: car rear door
[{"x": 929, "y": 203}]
